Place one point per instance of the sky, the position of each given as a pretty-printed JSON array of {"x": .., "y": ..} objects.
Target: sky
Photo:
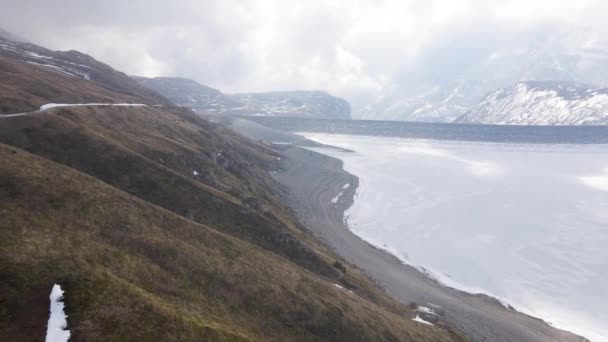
[{"x": 355, "y": 49}]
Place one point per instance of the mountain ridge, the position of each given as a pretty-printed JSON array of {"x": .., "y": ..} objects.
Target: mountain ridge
[
  {"x": 542, "y": 103},
  {"x": 160, "y": 225},
  {"x": 92, "y": 77},
  {"x": 445, "y": 97},
  {"x": 204, "y": 99}
]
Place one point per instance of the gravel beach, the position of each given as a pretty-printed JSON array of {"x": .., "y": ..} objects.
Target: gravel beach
[{"x": 313, "y": 180}]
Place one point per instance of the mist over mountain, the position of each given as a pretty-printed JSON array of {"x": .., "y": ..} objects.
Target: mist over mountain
[
  {"x": 11, "y": 36},
  {"x": 446, "y": 99},
  {"x": 404, "y": 60},
  {"x": 204, "y": 99}
]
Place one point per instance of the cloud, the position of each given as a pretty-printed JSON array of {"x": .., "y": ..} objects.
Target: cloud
[{"x": 356, "y": 49}]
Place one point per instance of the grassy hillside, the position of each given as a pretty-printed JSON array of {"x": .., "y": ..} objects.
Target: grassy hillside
[
  {"x": 24, "y": 87},
  {"x": 31, "y": 76},
  {"x": 162, "y": 226}
]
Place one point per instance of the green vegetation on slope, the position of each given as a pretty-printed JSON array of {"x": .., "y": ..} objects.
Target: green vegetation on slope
[
  {"x": 24, "y": 87},
  {"x": 147, "y": 249}
]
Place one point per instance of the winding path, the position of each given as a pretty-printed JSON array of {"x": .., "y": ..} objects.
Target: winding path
[{"x": 48, "y": 106}]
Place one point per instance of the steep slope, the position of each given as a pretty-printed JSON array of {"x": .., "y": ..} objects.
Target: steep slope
[
  {"x": 162, "y": 226},
  {"x": 77, "y": 67},
  {"x": 24, "y": 87},
  {"x": 542, "y": 103},
  {"x": 185, "y": 92},
  {"x": 132, "y": 270}
]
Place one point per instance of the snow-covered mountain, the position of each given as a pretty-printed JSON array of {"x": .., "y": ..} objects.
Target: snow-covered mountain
[
  {"x": 186, "y": 92},
  {"x": 542, "y": 103},
  {"x": 313, "y": 104},
  {"x": 427, "y": 103},
  {"x": 446, "y": 95}
]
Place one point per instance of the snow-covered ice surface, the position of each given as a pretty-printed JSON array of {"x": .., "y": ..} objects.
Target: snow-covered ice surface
[
  {"x": 57, "y": 320},
  {"x": 525, "y": 223}
]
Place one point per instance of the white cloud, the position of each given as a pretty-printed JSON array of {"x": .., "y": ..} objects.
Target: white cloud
[{"x": 356, "y": 49}]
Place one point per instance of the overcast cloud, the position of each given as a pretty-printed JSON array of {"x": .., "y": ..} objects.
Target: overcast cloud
[{"x": 355, "y": 49}]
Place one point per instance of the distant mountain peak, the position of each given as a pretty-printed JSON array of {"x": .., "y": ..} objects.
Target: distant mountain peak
[
  {"x": 295, "y": 103},
  {"x": 542, "y": 103},
  {"x": 424, "y": 98}
]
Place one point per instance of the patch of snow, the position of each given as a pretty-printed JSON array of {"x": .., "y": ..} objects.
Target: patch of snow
[
  {"x": 454, "y": 93},
  {"x": 420, "y": 320},
  {"x": 36, "y": 55},
  {"x": 338, "y": 196},
  {"x": 342, "y": 288},
  {"x": 56, "y": 328},
  {"x": 54, "y": 67},
  {"x": 426, "y": 310},
  {"x": 76, "y": 64}
]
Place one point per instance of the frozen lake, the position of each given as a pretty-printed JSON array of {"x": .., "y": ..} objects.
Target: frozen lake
[{"x": 525, "y": 223}]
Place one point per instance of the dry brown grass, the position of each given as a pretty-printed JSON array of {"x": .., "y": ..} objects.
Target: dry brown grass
[
  {"x": 24, "y": 87},
  {"x": 149, "y": 251}
]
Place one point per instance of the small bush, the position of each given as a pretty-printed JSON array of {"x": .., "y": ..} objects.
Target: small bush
[{"x": 339, "y": 265}]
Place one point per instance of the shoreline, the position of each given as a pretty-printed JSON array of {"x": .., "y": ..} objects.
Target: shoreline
[
  {"x": 571, "y": 310},
  {"x": 313, "y": 179}
]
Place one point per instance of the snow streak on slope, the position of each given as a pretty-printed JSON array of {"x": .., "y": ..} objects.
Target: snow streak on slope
[
  {"x": 36, "y": 56},
  {"x": 57, "y": 320},
  {"x": 524, "y": 223},
  {"x": 420, "y": 320},
  {"x": 542, "y": 103}
]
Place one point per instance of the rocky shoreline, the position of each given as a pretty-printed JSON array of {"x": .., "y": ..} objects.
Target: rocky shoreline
[{"x": 313, "y": 180}]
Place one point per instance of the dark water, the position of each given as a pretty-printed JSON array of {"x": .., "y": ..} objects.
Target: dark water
[{"x": 443, "y": 131}]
